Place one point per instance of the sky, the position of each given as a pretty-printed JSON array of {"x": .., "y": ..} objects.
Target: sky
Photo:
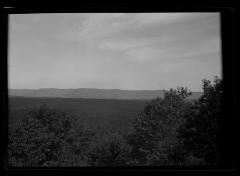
[{"x": 129, "y": 51}]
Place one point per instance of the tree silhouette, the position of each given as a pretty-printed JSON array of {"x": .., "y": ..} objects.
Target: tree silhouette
[{"x": 201, "y": 133}]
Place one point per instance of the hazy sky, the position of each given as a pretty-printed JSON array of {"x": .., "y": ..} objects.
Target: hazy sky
[{"x": 114, "y": 50}]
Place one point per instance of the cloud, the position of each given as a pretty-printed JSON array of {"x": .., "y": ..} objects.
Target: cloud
[
  {"x": 147, "y": 36},
  {"x": 96, "y": 26},
  {"x": 100, "y": 25},
  {"x": 143, "y": 55},
  {"x": 123, "y": 45},
  {"x": 142, "y": 37},
  {"x": 131, "y": 50},
  {"x": 161, "y": 18}
]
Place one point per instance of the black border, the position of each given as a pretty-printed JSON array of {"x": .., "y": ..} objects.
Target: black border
[{"x": 230, "y": 68}]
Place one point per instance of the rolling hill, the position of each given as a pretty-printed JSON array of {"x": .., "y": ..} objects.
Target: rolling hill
[{"x": 94, "y": 93}]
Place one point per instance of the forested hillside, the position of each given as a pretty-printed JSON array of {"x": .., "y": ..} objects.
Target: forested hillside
[{"x": 168, "y": 131}]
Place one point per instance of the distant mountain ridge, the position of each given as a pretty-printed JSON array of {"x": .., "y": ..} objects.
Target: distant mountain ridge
[{"x": 93, "y": 93}]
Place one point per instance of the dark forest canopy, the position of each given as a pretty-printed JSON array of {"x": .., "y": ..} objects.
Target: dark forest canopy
[{"x": 168, "y": 132}]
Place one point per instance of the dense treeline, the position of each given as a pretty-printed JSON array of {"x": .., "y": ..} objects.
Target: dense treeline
[{"x": 170, "y": 131}]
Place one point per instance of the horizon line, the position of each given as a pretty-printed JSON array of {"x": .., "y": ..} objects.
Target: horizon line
[{"x": 100, "y": 89}]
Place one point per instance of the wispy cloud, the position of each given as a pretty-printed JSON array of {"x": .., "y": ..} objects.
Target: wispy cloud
[
  {"x": 144, "y": 37},
  {"x": 130, "y": 50}
]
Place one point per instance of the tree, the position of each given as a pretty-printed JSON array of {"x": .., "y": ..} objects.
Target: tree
[
  {"x": 155, "y": 139},
  {"x": 201, "y": 132},
  {"x": 109, "y": 150},
  {"x": 47, "y": 137}
]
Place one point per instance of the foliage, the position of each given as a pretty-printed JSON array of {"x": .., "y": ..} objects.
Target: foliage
[
  {"x": 155, "y": 138},
  {"x": 49, "y": 137},
  {"x": 170, "y": 131},
  {"x": 201, "y": 132},
  {"x": 43, "y": 139},
  {"x": 109, "y": 150}
]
